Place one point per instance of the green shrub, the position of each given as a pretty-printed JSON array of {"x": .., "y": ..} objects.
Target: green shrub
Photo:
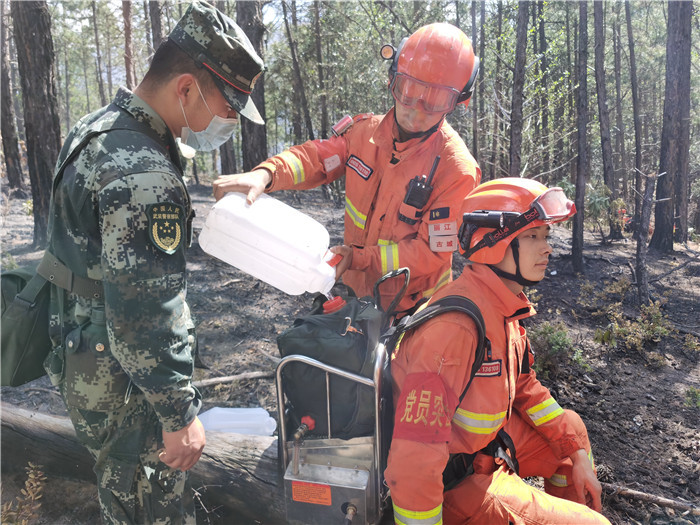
[
  {"x": 8, "y": 262},
  {"x": 691, "y": 343},
  {"x": 28, "y": 207},
  {"x": 553, "y": 348},
  {"x": 692, "y": 397},
  {"x": 634, "y": 334}
]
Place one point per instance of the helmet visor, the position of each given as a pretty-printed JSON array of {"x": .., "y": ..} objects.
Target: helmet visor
[
  {"x": 553, "y": 205},
  {"x": 436, "y": 98}
]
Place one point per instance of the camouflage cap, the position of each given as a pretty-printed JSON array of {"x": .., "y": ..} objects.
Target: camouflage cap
[{"x": 217, "y": 43}]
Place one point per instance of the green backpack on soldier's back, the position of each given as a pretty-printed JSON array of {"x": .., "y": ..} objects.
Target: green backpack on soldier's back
[
  {"x": 25, "y": 326},
  {"x": 25, "y": 315},
  {"x": 25, "y": 301}
]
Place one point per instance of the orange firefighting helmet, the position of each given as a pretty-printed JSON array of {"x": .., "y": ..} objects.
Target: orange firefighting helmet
[
  {"x": 435, "y": 65},
  {"x": 495, "y": 212}
]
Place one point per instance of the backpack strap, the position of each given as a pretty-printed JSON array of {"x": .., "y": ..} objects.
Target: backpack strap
[
  {"x": 27, "y": 296},
  {"x": 450, "y": 303},
  {"x": 525, "y": 365},
  {"x": 54, "y": 271},
  {"x": 459, "y": 465}
]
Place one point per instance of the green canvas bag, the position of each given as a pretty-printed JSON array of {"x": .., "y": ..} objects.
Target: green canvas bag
[
  {"x": 26, "y": 295},
  {"x": 25, "y": 326}
]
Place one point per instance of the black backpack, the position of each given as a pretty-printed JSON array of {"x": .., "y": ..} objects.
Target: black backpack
[
  {"x": 348, "y": 339},
  {"x": 345, "y": 339}
]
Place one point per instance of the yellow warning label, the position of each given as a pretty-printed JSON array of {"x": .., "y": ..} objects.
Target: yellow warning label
[{"x": 311, "y": 493}]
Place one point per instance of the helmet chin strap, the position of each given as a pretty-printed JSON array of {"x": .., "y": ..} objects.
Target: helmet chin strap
[{"x": 517, "y": 276}]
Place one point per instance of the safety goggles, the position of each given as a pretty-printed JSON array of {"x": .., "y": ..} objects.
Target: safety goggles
[
  {"x": 552, "y": 205},
  {"x": 436, "y": 98}
]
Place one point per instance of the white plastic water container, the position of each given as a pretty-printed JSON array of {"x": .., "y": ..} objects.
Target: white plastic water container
[
  {"x": 256, "y": 421},
  {"x": 270, "y": 241}
]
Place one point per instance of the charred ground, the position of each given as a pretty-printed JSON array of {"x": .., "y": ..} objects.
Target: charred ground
[{"x": 639, "y": 399}]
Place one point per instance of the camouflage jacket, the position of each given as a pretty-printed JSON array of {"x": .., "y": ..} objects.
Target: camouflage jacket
[{"x": 121, "y": 213}]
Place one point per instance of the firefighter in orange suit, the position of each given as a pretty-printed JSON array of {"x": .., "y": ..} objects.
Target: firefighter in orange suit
[
  {"x": 458, "y": 462},
  {"x": 395, "y": 214}
]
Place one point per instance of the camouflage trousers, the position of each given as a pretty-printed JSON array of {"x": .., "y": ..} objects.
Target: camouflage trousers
[{"x": 134, "y": 487}]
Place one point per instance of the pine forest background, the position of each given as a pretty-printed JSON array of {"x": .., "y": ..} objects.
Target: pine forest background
[
  {"x": 599, "y": 97},
  {"x": 534, "y": 113}
]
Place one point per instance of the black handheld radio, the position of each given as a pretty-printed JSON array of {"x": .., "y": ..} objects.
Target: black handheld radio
[{"x": 418, "y": 193}]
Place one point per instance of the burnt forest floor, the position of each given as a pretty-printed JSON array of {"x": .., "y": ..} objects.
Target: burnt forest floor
[{"x": 640, "y": 397}]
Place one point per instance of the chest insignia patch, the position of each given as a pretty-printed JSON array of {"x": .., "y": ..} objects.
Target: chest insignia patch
[
  {"x": 440, "y": 213},
  {"x": 362, "y": 169},
  {"x": 490, "y": 369},
  {"x": 165, "y": 226}
]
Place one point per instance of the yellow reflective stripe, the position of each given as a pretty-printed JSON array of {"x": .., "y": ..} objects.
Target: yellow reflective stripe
[
  {"x": 558, "y": 480},
  {"x": 545, "y": 411},
  {"x": 354, "y": 214},
  {"x": 442, "y": 281},
  {"x": 390, "y": 257},
  {"x": 478, "y": 423},
  {"x": 295, "y": 165},
  {"x": 413, "y": 517},
  {"x": 382, "y": 242}
]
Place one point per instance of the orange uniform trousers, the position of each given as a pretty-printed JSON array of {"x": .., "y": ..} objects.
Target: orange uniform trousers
[{"x": 494, "y": 495}]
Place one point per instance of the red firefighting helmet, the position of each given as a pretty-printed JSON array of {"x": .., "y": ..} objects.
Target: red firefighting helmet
[
  {"x": 495, "y": 212},
  {"x": 435, "y": 65}
]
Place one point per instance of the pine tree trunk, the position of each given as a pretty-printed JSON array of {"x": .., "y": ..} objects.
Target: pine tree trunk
[
  {"x": 8, "y": 125},
  {"x": 35, "y": 56},
  {"x": 495, "y": 142},
  {"x": 482, "y": 58},
  {"x": 85, "y": 78},
  {"x": 544, "y": 107},
  {"x": 642, "y": 239},
  {"x": 66, "y": 83},
  {"x": 571, "y": 64},
  {"x": 636, "y": 118},
  {"x": 297, "y": 127},
  {"x": 228, "y": 158},
  {"x": 128, "y": 46},
  {"x": 296, "y": 67},
  {"x": 604, "y": 115},
  {"x": 253, "y": 136},
  {"x": 474, "y": 102},
  {"x": 516, "y": 113},
  {"x": 621, "y": 170},
  {"x": 110, "y": 83},
  {"x": 321, "y": 69},
  {"x": 582, "y": 165},
  {"x": 155, "y": 9},
  {"x": 98, "y": 56},
  {"x": 671, "y": 190}
]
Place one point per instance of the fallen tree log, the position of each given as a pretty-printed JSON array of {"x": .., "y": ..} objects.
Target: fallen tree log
[
  {"x": 237, "y": 477},
  {"x": 618, "y": 490},
  {"x": 230, "y": 379}
]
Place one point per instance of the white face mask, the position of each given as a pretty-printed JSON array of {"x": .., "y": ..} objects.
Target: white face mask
[{"x": 216, "y": 133}]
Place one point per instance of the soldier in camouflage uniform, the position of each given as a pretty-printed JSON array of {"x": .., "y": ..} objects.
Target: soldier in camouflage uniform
[{"x": 121, "y": 218}]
